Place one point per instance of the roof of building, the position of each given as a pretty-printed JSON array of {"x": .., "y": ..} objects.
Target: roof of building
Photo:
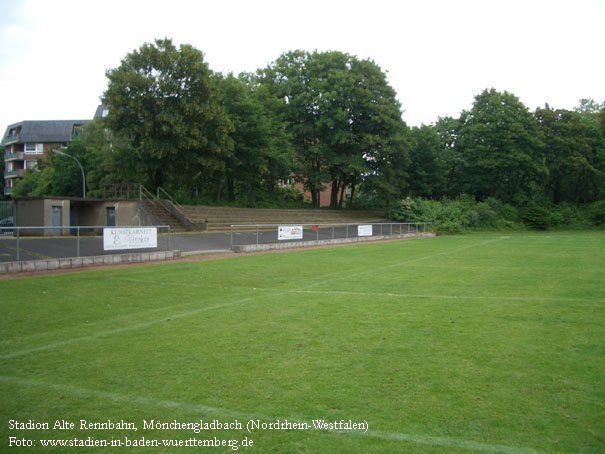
[
  {"x": 44, "y": 131},
  {"x": 101, "y": 111}
]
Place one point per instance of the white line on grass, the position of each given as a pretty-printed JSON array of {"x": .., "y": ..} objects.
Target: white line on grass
[
  {"x": 365, "y": 271},
  {"x": 128, "y": 328},
  {"x": 109, "y": 320},
  {"x": 214, "y": 411},
  {"x": 204, "y": 309},
  {"x": 465, "y": 297}
]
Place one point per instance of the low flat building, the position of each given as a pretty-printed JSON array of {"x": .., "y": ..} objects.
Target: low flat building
[{"x": 58, "y": 216}]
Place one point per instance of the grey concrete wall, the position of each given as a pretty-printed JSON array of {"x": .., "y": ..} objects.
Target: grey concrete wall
[
  {"x": 76, "y": 262},
  {"x": 90, "y": 214},
  {"x": 128, "y": 213},
  {"x": 30, "y": 213}
]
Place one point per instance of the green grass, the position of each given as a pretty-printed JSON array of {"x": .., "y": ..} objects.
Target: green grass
[{"x": 474, "y": 343}]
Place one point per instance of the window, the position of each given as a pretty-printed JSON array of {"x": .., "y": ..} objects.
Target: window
[
  {"x": 31, "y": 165},
  {"x": 77, "y": 130},
  {"x": 9, "y": 183},
  {"x": 33, "y": 148}
]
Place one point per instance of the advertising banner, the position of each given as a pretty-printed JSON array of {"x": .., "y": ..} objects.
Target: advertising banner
[
  {"x": 290, "y": 232},
  {"x": 364, "y": 230},
  {"x": 115, "y": 239}
]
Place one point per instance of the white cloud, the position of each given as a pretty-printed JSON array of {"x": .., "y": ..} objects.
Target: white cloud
[{"x": 438, "y": 54}]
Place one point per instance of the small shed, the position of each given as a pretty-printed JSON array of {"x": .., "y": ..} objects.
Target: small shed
[{"x": 57, "y": 215}]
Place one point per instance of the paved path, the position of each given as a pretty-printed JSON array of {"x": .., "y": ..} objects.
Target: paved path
[
  {"x": 53, "y": 247},
  {"x": 188, "y": 243}
]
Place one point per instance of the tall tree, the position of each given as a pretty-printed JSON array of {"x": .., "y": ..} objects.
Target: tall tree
[
  {"x": 344, "y": 118},
  {"x": 427, "y": 168},
  {"x": 501, "y": 144},
  {"x": 163, "y": 99},
  {"x": 568, "y": 153},
  {"x": 262, "y": 153},
  {"x": 448, "y": 129},
  {"x": 593, "y": 117}
]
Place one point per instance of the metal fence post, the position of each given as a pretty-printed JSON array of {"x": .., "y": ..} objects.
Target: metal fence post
[
  {"x": 257, "y": 234},
  {"x": 347, "y": 231},
  {"x": 18, "y": 228},
  {"x": 78, "y": 242},
  {"x": 231, "y": 235},
  {"x": 168, "y": 237}
]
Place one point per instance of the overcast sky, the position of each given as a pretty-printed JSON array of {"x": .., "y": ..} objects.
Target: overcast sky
[{"x": 438, "y": 54}]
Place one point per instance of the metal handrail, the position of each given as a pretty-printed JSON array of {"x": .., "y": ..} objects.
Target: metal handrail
[
  {"x": 144, "y": 193},
  {"x": 333, "y": 226},
  {"x": 176, "y": 204}
]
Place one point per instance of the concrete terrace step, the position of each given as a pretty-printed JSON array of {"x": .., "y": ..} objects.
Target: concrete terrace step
[
  {"x": 220, "y": 219},
  {"x": 261, "y": 211},
  {"x": 164, "y": 216}
]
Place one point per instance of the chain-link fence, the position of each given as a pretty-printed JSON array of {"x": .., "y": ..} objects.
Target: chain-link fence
[
  {"x": 243, "y": 235},
  {"x": 45, "y": 243}
]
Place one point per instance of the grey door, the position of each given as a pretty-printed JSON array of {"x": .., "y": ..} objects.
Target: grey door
[
  {"x": 57, "y": 218},
  {"x": 111, "y": 217}
]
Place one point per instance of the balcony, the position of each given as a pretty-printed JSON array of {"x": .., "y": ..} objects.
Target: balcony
[
  {"x": 18, "y": 173},
  {"x": 14, "y": 156},
  {"x": 10, "y": 139},
  {"x": 8, "y": 191}
]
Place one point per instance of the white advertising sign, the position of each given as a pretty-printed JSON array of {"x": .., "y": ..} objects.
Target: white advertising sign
[
  {"x": 290, "y": 232},
  {"x": 364, "y": 230},
  {"x": 115, "y": 238}
]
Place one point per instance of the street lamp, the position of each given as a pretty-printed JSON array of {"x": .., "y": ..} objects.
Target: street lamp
[{"x": 81, "y": 168}]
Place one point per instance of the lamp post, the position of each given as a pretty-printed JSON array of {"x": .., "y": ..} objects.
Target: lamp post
[{"x": 81, "y": 168}]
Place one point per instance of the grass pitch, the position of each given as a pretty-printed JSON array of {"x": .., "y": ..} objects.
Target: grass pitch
[{"x": 483, "y": 343}]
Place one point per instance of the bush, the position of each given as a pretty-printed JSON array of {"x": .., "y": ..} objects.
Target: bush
[
  {"x": 463, "y": 213},
  {"x": 595, "y": 212},
  {"x": 536, "y": 216}
]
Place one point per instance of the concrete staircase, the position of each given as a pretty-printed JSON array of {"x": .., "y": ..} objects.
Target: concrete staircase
[
  {"x": 163, "y": 216},
  {"x": 221, "y": 218}
]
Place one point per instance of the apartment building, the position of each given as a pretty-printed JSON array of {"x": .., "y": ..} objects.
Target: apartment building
[{"x": 26, "y": 142}]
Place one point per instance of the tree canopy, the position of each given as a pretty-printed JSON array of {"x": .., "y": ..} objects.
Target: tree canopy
[
  {"x": 164, "y": 100},
  {"x": 326, "y": 120},
  {"x": 345, "y": 121}
]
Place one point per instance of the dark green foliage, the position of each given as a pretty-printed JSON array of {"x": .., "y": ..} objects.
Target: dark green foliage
[
  {"x": 595, "y": 212},
  {"x": 330, "y": 120},
  {"x": 427, "y": 166},
  {"x": 163, "y": 99},
  {"x": 569, "y": 155},
  {"x": 536, "y": 216},
  {"x": 345, "y": 122},
  {"x": 262, "y": 153},
  {"x": 502, "y": 148},
  {"x": 459, "y": 215}
]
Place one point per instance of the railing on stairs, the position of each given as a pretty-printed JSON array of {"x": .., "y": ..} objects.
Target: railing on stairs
[
  {"x": 175, "y": 208},
  {"x": 145, "y": 195},
  {"x": 133, "y": 191}
]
